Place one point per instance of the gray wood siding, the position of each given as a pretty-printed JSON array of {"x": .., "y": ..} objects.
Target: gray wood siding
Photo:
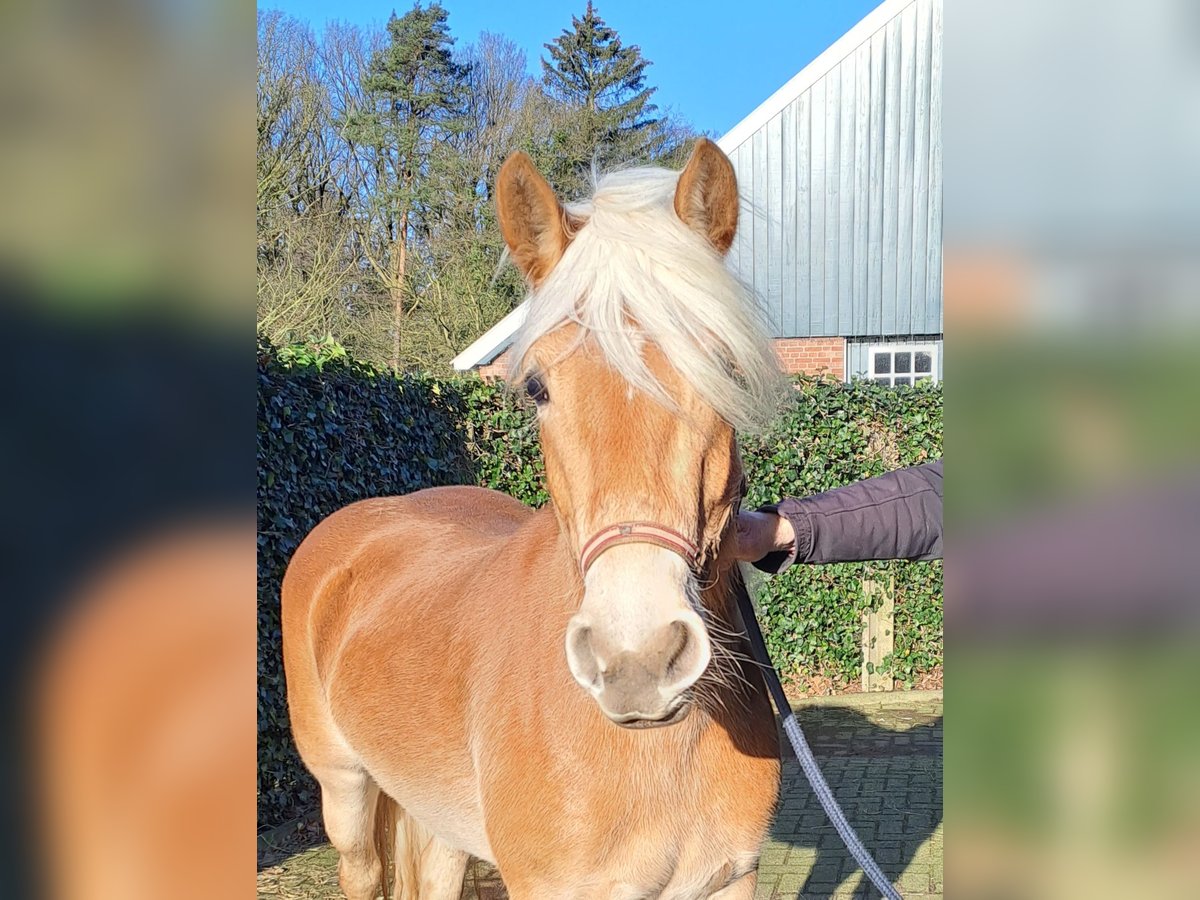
[{"x": 841, "y": 219}]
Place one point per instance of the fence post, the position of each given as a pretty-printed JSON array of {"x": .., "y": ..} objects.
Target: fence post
[{"x": 878, "y": 637}]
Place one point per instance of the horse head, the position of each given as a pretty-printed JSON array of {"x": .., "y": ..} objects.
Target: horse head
[{"x": 643, "y": 355}]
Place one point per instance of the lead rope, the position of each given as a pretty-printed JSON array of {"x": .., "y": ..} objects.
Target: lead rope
[{"x": 803, "y": 753}]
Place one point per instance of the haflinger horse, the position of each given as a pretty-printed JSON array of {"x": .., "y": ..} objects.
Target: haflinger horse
[{"x": 566, "y": 692}]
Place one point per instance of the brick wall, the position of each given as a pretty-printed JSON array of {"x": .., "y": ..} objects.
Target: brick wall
[
  {"x": 812, "y": 356},
  {"x": 809, "y": 356},
  {"x": 496, "y": 370}
]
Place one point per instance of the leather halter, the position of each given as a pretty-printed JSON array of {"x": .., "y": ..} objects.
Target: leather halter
[{"x": 637, "y": 533}]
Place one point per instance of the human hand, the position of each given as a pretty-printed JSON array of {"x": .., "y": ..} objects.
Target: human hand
[{"x": 760, "y": 533}]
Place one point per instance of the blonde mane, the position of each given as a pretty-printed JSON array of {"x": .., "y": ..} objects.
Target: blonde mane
[{"x": 636, "y": 274}]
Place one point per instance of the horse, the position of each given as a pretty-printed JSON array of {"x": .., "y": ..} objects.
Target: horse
[{"x": 565, "y": 692}]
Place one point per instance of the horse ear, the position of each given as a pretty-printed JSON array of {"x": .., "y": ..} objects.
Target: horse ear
[
  {"x": 707, "y": 197},
  {"x": 533, "y": 222}
]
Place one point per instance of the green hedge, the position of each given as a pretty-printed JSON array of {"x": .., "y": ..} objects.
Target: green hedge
[
  {"x": 332, "y": 431},
  {"x": 835, "y": 434}
]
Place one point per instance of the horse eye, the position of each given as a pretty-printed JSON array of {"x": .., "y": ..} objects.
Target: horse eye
[{"x": 536, "y": 390}]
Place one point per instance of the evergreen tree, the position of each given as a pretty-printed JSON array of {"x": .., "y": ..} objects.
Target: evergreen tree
[
  {"x": 416, "y": 104},
  {"x": 603, "y": 84}
]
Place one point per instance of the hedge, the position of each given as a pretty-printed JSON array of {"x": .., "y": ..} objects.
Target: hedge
[
  {"x": 332, "y": 431},
  {"x": 835, "y": 434}
]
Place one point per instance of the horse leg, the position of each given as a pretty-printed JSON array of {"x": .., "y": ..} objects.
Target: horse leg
[
  {"x": 521, "y": 888},
  {"x": 543, "y": 892},
  {"x": 742, "y": 889},
  {"x": 348, "y": 798},
  {"x": 427, "y": 868}
]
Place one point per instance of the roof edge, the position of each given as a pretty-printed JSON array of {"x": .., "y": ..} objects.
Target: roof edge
[{"x": 492, "y": 342}]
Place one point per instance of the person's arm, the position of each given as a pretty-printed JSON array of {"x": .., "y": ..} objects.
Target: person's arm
[{"x": 893, "y": 516}]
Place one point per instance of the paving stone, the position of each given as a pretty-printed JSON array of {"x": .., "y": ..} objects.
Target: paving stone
[
  {"x": 789, "y": 883},
  {"x": 911, "y": 882},
  {"x": 825, "y": 874},
  {"x": 772, "y": 855}
]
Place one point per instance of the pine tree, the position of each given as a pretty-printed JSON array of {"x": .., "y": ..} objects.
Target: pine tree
[
  {"x": 417, "y": 103},
  {"x": 603, "y": 83}
]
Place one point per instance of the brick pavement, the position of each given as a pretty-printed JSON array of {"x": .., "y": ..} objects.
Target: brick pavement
[{"x": 882, "y": 756}]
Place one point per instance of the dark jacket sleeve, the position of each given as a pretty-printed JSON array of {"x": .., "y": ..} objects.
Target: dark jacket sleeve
[{"x": 893, "y": 516}]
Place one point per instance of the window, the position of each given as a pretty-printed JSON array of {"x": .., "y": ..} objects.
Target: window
[{"x": 897, "y": 364}]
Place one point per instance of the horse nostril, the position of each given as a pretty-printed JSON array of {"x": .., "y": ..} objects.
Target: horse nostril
[
  {"x": 581, "y": 656},
  {"x": 678, "y": 643},
  {"x": 687, "y": 654}
]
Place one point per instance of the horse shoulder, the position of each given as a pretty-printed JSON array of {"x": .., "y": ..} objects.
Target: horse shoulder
[{"x": 374, "y": 557}]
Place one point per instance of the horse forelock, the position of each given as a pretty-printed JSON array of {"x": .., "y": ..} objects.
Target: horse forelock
[{"x": 635, "y": 274}]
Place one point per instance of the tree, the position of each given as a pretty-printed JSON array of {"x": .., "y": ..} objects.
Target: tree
[
  {"x": 603, "y": 83},
  {"x": 377, "y": 156},
  {"x": 302, "y": 223},
  {"x": 461, "y": 289},
  {"x": 415, "y": 105}
]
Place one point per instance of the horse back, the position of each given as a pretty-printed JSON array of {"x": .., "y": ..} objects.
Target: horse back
[{"x": 377, "y": 553}]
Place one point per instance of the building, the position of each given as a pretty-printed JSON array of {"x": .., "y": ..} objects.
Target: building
[{"x": 840, "y": 234}]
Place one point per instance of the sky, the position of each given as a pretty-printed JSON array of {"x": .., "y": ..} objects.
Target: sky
[{"x": 714, "y": 61}]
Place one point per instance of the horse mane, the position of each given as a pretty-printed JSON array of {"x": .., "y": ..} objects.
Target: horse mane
[{"x": 635, "y": 274}]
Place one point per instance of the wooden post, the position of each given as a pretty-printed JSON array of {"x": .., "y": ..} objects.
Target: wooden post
[{"x": 878, "y": 635}]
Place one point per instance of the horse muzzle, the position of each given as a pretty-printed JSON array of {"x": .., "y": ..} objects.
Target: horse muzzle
[
  {"x": 674, "y": 715},
  {"x": 646, "y": 686}
]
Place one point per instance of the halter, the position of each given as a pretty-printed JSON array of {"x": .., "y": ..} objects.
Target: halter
[{"x": 638, "y": 533}]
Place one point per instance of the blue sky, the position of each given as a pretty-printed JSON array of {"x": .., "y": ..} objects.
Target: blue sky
[{"x": 713, "y": 60}]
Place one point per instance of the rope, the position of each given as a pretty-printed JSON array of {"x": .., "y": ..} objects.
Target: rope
[{"x": 804, "y": 753}]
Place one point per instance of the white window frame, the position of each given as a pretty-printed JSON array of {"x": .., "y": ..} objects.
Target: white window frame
[{"x": 893, "y": 349}]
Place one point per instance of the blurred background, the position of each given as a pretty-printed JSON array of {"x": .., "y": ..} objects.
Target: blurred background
[
  {"x": 1072, "y": 280},
  {"x": 1072, "y": 286},
  {"x": 127, "y": 447}
]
